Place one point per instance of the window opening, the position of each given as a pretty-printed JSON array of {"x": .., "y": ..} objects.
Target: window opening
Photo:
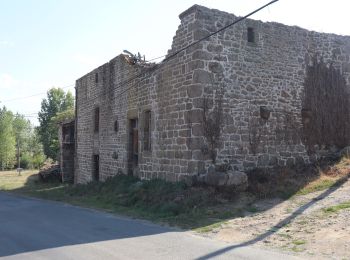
[
  {"x": 97, "y": 119},
  {"x": 147, "y": 131},
  {"x": 250, "y": 34},
  {"x": 96, "y": 168}
]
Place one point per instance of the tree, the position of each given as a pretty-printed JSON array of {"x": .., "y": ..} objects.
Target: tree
[
  {"x": 57, "y": 101},
  {"x": 16, "y": 131},
  {"x": 21, "y": 127},
  {"x": 34, "y": 151},
  {"x": 69, "y": 114},
  {"x": 7, "y": 139}
]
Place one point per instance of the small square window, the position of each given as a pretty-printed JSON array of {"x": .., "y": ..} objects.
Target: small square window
[{"x": 250, "y": 34}]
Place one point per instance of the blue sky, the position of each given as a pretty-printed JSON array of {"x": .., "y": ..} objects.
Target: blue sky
[{"x": 51, "y": 43}]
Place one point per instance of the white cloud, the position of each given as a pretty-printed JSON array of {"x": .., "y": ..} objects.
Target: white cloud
[
  {"x": 7, "y": 81},
  {"x": 4, "y": 43}
]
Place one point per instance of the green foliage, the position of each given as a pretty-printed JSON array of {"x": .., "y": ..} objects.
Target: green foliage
[
  {"x": 68, "y": 114},
  {"x": 57, "y": 101},
  {"x": 31, "y": 150},
  {"x": 15, "y": 131},
  {"x": 7, "y": 139},
  {"x": 22, "y": 128},
  {"x": 38, "y": 160},
  {"x": 26, "y": 160},
  {"x": 36, "y": 150}
]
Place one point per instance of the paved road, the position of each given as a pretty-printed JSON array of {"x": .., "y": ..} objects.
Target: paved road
[{"x": 38, "y": 229}]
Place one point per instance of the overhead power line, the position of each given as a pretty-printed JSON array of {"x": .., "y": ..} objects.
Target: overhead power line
[
  {"x": 216, "y": 32},
  {"x": 156, "y": 66},
  {"x": 34, "y": 95},
  {"x": 220, "y": 30}
]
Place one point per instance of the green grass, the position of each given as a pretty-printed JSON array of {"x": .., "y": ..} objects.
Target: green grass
[
  {"x": 299, "y": 242},
  {"x": 317, "y": 185},
  {"x": 156, "y": 200},
  {"x": 201, "y": 208},
  {"x": 10, "y": 180},
  {"x": 297, "y": 246},
  {"x": 297, "y": 249},
  {"x": 336, "y": 208},
  {"x": 211, "y": 227}
]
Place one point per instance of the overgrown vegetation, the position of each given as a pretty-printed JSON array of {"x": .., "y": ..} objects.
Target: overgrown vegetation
[
  {"x": 326, "y": 106},
  {"x": 212, "y": 123},
  {"x": 57, "y": 106},
  {"x": 18, "y": 138},
  {"x": 285, "y": 182},
  {"x": 200, "y": 207},
  {"x": 157, "y": 200}
]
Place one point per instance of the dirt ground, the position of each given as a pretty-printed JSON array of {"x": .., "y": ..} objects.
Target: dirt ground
[{"x": 301, "y": 225}]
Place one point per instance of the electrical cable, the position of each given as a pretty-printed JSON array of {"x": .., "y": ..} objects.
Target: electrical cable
[
  {"x": 34, "y": 95},
  {"x": 155, "y": 66}
]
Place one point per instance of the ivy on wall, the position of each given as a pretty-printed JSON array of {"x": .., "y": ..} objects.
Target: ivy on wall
[{"x": 326, "y": 106}]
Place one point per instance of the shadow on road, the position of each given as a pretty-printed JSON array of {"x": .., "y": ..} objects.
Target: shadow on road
[{"x": 30, "y": 224}]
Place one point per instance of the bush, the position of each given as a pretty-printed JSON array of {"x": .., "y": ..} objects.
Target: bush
[{"x": 26, "y": 161}]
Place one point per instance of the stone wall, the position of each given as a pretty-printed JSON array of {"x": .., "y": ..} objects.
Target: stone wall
[
  {"x": 267, "y": 73},
  {"x": 226, "y": 71},
  {"x": 67, "y": 150}
]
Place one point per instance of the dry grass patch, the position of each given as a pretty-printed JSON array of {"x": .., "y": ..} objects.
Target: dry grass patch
[
  {"x": 285, "y": 182},
  {"x": 328, "y": 176},
  {"x": 10, "y": 180}
]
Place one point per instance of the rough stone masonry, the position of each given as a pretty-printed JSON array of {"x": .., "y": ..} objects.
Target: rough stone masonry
[{"x": 233, "y": 100}]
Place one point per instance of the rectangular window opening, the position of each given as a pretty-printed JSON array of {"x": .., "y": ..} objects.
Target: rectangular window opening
[
  {"x": 147, "y": 131},
  {"x": 250, "y": 34},
  {"x": 96, "y": 167},
  {"x": 97, "y": 119},
  {"x": 96, "y": 77}
]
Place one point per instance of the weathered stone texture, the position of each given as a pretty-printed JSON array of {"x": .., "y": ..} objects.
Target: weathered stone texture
[
  {"x": 243, "y": 75},
  {"x": 67, "y": 150}
]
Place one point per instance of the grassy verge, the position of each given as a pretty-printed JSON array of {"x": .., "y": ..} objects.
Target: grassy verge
[
  {"x": 322, "y": 183},
  {"x": 156, "y": 200},
  {"x": 329, "y": 176},
  {"x": 285, "y": 182},
  {"x": 200, "y": 208}
]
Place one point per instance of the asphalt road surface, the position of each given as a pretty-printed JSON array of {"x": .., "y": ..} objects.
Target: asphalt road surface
[{"x": 39, "y": 229}]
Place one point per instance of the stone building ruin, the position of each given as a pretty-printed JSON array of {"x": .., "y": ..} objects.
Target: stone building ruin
[
  {"x": 67, "y": 149},
  {"x": 235, "y": 99}
]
